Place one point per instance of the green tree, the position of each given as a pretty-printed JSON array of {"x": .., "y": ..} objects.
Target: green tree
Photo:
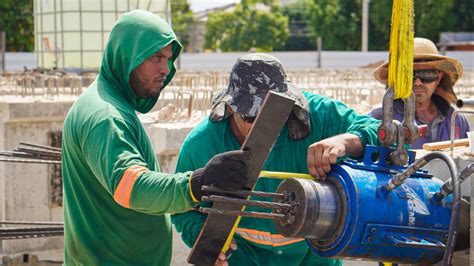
[
  {"x": 246, "y": 28},
  {"x": 298, "y": 25},
  {"x": 16, "y": 20},
  {"x": 431, "y": 18},
  {"x": 182, "y": 19},
  {"x": 337, "y": 22}
]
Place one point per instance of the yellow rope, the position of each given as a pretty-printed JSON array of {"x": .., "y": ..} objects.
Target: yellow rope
[
  {"x": 400, "y": 68},
  {"x": 284, "y": 175}
]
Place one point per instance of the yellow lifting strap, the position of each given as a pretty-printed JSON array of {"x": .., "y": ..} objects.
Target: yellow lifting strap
[{"x": 400, "y": 65}]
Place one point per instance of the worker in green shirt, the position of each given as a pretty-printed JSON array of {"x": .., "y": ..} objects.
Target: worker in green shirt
[
  {"x": 116, "y": 201},
  {"x": 318, "y": 132}
]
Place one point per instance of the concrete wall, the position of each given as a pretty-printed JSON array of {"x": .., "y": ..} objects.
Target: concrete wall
[{"x": 25, "y": 188}]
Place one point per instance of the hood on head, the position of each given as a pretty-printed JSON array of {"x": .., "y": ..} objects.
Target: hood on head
[{"x": 136, "y": 36}]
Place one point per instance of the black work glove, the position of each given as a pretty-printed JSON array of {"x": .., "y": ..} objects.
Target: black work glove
[{"x": 227, "y": 170}]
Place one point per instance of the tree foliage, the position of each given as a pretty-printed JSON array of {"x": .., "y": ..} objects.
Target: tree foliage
[
  {"x": 245, "y": 28},
  {"x": 300, "y": 38},
  {"x": 431, "y": 18},
  {"x": 182, "y": 19},
  {"x": 337, "y": 22},
  {"x": 16, "y": 20}
]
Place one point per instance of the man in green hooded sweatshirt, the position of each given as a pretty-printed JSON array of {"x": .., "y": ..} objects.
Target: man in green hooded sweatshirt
[
  {"x": 116, "y": 201},
  {"x": 318, "y": 132}
]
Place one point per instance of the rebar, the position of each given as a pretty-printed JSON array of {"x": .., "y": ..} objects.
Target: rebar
[
  {"x": 30, "y": 161},
  {"x": 21, "y": 233},
  {"x": 261, "y": 215},
  {"x": 32, "y": 153},
  {"x": 254, "y": 203},
  {"x": 30, "y": 229},
  {"x": 244, "y": 193},
  {"x": 41, "y": 146},
  {"x": 24, "y": 154},
  {"x": 30, "y": 223},
  {"x": 38, "y": 153}
]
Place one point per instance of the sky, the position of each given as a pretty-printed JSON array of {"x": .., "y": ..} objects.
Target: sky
[{"x": 199, "y": 5}]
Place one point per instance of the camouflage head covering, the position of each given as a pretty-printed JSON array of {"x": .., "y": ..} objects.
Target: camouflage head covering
[{"x": 252, "y": 76}]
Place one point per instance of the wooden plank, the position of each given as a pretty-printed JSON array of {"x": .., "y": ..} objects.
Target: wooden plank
[
  {"x": 434, "y": 146},
  {"x": 263, "y": 135}
]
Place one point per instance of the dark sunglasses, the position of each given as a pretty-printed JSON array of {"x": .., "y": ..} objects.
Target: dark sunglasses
[
  {"x": 248, "y": 119},
  {"x": 426, "y": 75}
]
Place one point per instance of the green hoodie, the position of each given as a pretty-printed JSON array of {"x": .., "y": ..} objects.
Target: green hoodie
[
  {"x": 116, "y": 202},
  {"x": 258, "y": 241}
]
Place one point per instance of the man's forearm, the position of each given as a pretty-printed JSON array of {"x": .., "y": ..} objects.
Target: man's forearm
[{"x": 353, "y": 144}]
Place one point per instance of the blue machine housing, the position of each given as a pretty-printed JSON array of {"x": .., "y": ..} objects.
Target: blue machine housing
[{"x": 403, "y": 226}]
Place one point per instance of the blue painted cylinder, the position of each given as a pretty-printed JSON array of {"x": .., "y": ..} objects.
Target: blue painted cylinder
[{"x": 403, "y": 226}]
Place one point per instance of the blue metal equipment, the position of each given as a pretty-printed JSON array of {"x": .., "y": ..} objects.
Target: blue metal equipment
[{"x": 373, "y": 211}]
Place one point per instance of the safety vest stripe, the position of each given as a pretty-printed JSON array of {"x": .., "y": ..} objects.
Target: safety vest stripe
[
  {"x": 265, "y": 238},
  {"x": 125, "y": 186}
]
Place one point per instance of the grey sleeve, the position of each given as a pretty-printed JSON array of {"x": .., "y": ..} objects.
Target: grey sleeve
[{"x": 376, "y": 113}]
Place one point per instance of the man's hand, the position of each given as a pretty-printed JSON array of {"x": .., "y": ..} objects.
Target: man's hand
[
  {"x": 223, "y": 257},
  {"x": 227, "y": 170},
  {"x": 323, "y": 153}
]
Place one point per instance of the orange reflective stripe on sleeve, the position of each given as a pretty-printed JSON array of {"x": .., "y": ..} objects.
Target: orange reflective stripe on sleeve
[
  {"x": 265, "y": 238},
  {"x": 125, "y": 186}
]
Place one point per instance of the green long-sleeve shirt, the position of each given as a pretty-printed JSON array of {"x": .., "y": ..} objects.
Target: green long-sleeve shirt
[
  {"x": 115, "y": 199},
  {"x": 257, "y": 239}
]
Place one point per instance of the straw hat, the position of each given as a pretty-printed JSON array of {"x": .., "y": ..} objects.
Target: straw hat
[{"x": 426, "y": 54}]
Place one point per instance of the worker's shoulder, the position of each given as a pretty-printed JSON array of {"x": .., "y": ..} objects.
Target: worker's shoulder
[
  {"x": 205, "y": 132},
  {"x": 90, "y": 108},
  {"x": 376, "y": 112},
  {"x": 321, "y": 103}
]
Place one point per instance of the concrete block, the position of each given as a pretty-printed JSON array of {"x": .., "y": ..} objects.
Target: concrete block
[{"x": 167, "y": 139}]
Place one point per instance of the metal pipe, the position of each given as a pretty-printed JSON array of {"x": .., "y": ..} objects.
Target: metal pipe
[
  {"x": 3, "y": 45},
  {"x": 460, "y": 103},
  {"x": 244, "y": 193},
  {"x": 254, "y": 203},
  {"x": 453, "y": 125},
  {"x": 261, "y": 215}
]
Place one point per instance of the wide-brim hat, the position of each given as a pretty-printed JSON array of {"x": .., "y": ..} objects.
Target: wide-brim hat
[
  {"x": 251, "y": 78},
  {"x": 425, "y": 53}
]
